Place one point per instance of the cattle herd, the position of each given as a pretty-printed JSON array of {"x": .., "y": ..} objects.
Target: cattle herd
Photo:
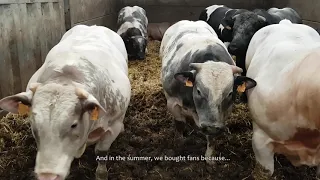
[{"x": 81, "y": 93}]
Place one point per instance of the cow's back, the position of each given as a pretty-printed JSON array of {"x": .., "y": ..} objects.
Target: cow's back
[
  {"x": 128, "y": 11},
  {"x": 175, "y": 31},
  {"x": 210, "y": 12},
  {"x": 108, "y": 46},
  {"x": 214, "y": 16},
  {"x": 130, "y": 17},
  {"x": 273, "y": 42},
  {"x": 95, "y": 54},
  {"x": 285, "y": 13}
]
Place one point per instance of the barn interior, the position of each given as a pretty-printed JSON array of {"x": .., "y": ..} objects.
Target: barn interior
[{"x": 30, "y": 28}]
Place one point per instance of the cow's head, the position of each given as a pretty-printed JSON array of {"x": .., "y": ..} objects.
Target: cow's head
[
  {"x": 214, "y": 88},
  {"x": 61, "y": 119},
  {"x": 135, "y": 43},
  {"x": 244, "y": 25}
]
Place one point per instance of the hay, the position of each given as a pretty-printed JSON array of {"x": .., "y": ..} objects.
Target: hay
[{"x": 149, "y": 131}]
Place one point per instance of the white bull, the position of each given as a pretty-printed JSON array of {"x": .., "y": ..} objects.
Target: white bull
[
  {"x": 78, "y": 97},
  {"x": 284, "y": 60}
]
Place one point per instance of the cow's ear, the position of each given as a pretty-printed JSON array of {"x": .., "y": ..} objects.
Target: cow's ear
[
  {"x": 19, "y": 103},
  {"x": 262, "y": 18},
  {"x": 186, "y": 77},
  {"x": 234, "y": 17},
  {"x": 124, "y": 37},
  {"x": 90, "y": 104},
  {"x": 229, "y": 22},
  {"x": 243, "y": 83}
]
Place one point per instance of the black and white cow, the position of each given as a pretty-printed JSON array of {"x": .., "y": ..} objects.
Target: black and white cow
[
  {"x": 216, "y": 16},
  {"x": 199, "y": 77},
  {"x": 235, "y": 27},
  {"x": 132, "y": 27}
]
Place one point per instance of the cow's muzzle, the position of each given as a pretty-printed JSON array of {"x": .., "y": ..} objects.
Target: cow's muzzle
[
  {"x": 212, "y": 130},
  {"x": 49, "y": 176},
  {"x": 141, "y": 56}
]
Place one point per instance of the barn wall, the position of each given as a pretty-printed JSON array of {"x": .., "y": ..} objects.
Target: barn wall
[
  {"x": 28, "y": 30},
  {"x": 308, "y": 9},
  {"x": 175, "y": 10},
  {"x": 92, "y": 12}
]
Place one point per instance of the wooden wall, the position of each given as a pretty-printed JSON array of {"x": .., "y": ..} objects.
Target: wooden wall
[
  {"x": 28, "y": 30},
  {"x": 308, "y": 9},
  {"x": 92, "y": 12},
  {"x": 175, "y": 10}
]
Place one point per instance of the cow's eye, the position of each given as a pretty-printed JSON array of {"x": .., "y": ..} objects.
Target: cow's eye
[
  {"x": 74, "y": 125},
  {"x": 198, "y": 91},
  {"x": 230, "y": 94}
]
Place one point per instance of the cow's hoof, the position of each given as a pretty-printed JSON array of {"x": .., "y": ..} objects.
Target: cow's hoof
[
  {"x": 101, "y": 174},
  {"x": 260, "y": 173},
  {"x": 211, "y": 162}
]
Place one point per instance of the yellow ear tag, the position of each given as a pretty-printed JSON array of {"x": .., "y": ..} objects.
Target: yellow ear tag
[
  {"x": 94, "y": 113},
  {"x": 242, "y": 87},
  {"x": 189, "y": 83},
  {"x": 234, "y": 58},
  {"x": 23, "y": 109},
  {"x": 228, "y": 27}
]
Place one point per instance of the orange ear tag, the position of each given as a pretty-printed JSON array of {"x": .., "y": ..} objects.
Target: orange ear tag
[
  {"x": 242, "y": 87},
  {"x": 189, "y": 83},
  {"x": 94, "y": 113},
  {"x": 23, "y": 109}
]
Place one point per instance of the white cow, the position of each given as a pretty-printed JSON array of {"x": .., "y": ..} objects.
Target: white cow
[
  {"x": 284, "y": 60},
  {"x": 84, "y": 77},
  {"x": 199, "y": 78}
]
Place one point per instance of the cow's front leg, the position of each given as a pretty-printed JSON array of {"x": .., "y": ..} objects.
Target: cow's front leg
[
  {"x": 176, "y": 111},
  {"x": 210, "y": 152},
  {"x": 264, "y": 154},
  {"x": 103, "y": 146},
  {"x": 101, "y": 171}
]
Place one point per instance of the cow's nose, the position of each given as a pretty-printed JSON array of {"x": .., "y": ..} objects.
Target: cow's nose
[
  {"x": 141, "y": 56},
  {"x": 48, "y": 176},
  {"x": 211, "y": 130}
]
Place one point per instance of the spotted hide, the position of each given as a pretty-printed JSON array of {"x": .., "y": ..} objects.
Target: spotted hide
[
  {"x": 199, "y": 77},
  {"x": 132, "y": 27}
]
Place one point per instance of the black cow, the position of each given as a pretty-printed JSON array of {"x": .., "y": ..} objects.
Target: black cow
[{"x": 236, "y": 27}]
